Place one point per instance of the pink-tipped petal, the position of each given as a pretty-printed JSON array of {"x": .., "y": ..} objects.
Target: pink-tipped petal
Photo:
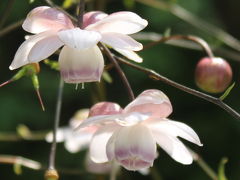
[
  {"x": 121, "y": 41},
  {"x": 105, "y": 108},
  {"x": 175, "y": 129},
  {"x": 44, "y": 48},
  {"x": 174, "y": 148},
  {"x": 21, "y": 56},
  {"x": 79, "y": 39},
  {"x": 151, "y": 101},
  {"x": 92, "y": 17},
  {"x": 77, "y": 66},
  {"x": 120, "y": 22},
  {"x": 135, "y": 147},
  {"x": 44, "y": 18},
  {"x": 130, "y": 55},
  {"x": 99, "y": 143}
]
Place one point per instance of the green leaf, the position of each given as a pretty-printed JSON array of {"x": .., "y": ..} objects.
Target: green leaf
[
  {"x": 221, "y": 169},
  {"x": 167, "y": 32},
  {"x": 129, "y": 3},
  {"x": 17, "y": 168},
  {"x": 31, "y": 1},
  {"x": 226, "y": 93},
  {"x": 107, "y": 77}
]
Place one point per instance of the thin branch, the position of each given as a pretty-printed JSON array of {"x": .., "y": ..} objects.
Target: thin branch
[
  {"x": 195, "y": 39},
  {"x": 154, "y": 75},
  {"x": 6, "y": 12},
  {"x": 199, "y": 23},
  {"x": 9, "y": 159},
  {"x": 52, "y": 155},
  {"x": 119, "y": 70},
  {"x": 81, "y": 9},
  {"x": 11, "y": 27}
]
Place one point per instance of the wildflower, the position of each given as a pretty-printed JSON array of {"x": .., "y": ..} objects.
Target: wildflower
[
  {"x": 213, "y": 74},
  {"x": 130, "y": 136},
  {"x": 80, "y": 59}
]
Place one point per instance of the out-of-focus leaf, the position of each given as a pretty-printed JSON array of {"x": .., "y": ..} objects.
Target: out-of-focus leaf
[
  {"x": 31, "y": 1},
  {"x": 67, "y": 4},
  {"x": 17, "y": 168},
  {"x": 129, "y": 3},
  {"x": 107, "y": 77},
  {"x": 226, "y": 93},
  {"x": 167, "y": 32},
  {"x": 221, "y": 169}
]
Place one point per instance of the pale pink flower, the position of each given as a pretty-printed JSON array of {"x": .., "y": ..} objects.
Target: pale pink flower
[
  {"x": 80, "y": 59},
  {"x": 130, "y": 137}
]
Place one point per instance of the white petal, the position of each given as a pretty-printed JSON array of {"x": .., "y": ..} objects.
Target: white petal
[
  {"x": 44, "y": 18},
  {"x": 79, "y": 39},
  {"x": 130, "y": 55},
  {"x": 92, "y": 17},
  {"x": 44, "y": 48},
  {"x": 121, "y": 41},
  {"x": 151, "y": 101},
  {"x": 99, "y": 143},
  {"x": 62, "y": 134},
  {"x": 135, "y": 147},
  {"x": 130, "y": 119},
  {"x": 21, "y": 56},
  {"x": 78, "y": 66},
  {"x": 120, "y": 22},
  {"x": 175, "y": 129},
  {"x": 174, "y": 148}
]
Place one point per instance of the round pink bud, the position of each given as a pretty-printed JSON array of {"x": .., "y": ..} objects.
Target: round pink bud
[{"x": 213, "y": 75}]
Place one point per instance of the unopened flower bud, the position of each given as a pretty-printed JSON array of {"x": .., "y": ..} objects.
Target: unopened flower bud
[
  {"x": 213, "y": 75},
  {"x": 51, "y": 174}
]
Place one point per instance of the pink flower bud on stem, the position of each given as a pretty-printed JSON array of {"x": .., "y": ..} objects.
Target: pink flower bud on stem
[{"x": 213, "y": 75}]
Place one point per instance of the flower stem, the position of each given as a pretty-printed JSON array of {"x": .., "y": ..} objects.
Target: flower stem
[
  {"x": 154, "y": 75},
  {"x": 81, "y": 9},
  {"x": 52, "y": 155},
  {"x": 206, "y": 168},
  {"x": 119, "y": 70},
  {"x": 11, "y": 27},
  {"x": 195, "y": 39}
]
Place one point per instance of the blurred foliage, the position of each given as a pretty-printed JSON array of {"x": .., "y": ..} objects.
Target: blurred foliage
[{"x": 218, "y": 131}]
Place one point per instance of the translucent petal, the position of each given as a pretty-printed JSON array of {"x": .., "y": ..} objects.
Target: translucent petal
[
  {"x": 105, "y": 108},
  {"x": 77, "y": 66},
  {"x": 121, "y": 41},
  {"x": 79, "y": 39},
  {"x": 44, "y": 18},
  {"x": 92, "y": 17},
  {"x": 151, "y": 101},
  {"x": 120, "y": 22},
  {"x": 174, "y": 148},
  {"x": 130, "y": 55},
  {"x": 21, "y": 56}
]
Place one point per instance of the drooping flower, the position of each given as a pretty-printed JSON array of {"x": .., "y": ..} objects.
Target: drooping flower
[
  {"x": 80, "y": 59},
  {"x": 130, "y": 137}
]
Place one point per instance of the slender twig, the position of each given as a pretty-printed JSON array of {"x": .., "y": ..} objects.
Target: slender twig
[
  {"x": 81, "y": 9},
  {"x": 56, "y": 124},
  {"x": 154, "y": 75},
  {"x": 195, "y": 39},
  {"x": 6, "y": 12},
  {"x": 190, "y": 18},
  {"x": 9, "y": 159},
  {"x": 119, "y": 70},
  {"x": 155, "y": 174},
  {"x": 11, "y": 27}
]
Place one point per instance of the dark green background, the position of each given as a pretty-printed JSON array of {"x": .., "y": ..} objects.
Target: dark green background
[{"x": 218, "y": 131}]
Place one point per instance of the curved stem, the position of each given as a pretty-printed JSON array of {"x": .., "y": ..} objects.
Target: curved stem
[
  {"x": 6, "y": 12},
  {"x": 154, "y": 75},
  {"x": 52, "y": 155},
  {"x": 195, "y": 39},
  {"x": 119, "y": 70},
  {"x": 81, "y": 9},
  {"x": 11, "y": 27}
]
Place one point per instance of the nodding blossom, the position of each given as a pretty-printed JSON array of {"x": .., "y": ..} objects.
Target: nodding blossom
[
  {"x": 80, "y": 59},
  {"x": 130, "y": 136}
]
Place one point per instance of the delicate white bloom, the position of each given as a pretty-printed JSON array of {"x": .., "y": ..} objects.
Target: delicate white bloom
[
  {"x": 130, "y": 137},
  {"x": 80, "y": 59}
]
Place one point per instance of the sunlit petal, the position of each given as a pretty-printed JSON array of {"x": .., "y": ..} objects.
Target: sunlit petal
[
  {"x": 105, "y": 108},
  {"x": 92, "y": 17},
  {"x": 120, "y": 22},
  {"x": 79, "y": 39},
  {"x": 130, "y": 55},
  {"x": 77, "y": 66},
  {"x": 44, "y": 18},
  {"x": 151, "y": 101},
  {"x": 121, "y": 41}
]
